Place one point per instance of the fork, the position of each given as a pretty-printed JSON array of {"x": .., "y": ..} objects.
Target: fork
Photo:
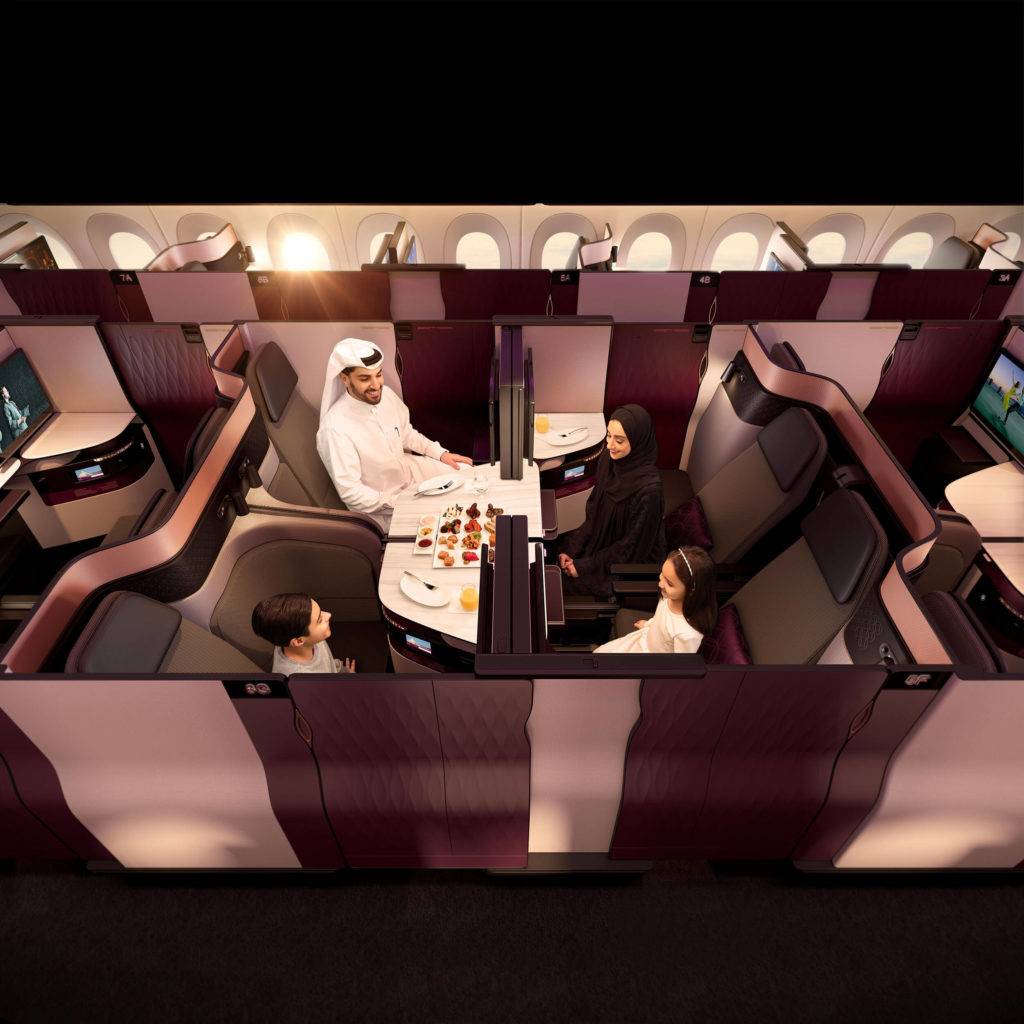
[{"x": 429, "y": 586}]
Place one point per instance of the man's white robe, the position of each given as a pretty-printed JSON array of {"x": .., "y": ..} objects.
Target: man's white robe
[{"x": 366, "y": 449}]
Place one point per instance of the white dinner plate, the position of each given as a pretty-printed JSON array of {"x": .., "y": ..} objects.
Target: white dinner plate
[
  {"x": 415, "y": 591},
  {"x": 440, "y": 484},
  {"x": 555, "y": 441}
]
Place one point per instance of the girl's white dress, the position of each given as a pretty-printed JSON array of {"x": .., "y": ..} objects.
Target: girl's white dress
[{"x": 665, "y": 633}]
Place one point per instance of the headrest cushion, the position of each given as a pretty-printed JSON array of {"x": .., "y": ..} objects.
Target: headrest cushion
[
  {"x": 964, "y": 636},
  {"x": 726, "y": 643},
  {"x": 783, "y": 354},
  {"x": 276, "y": 379},
  {"x": 843, "y": 536},
  {"x": 127, "y": 633},
  {"x": 790, "y": 443}
]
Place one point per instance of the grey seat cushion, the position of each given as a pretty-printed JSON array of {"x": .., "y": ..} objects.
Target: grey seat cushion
[
  {"x": 129, "y": 633},
  {"x": 789, "y": 611},
  {"x": 790, "y": 442},
  {"x": 292, "y": 425}
]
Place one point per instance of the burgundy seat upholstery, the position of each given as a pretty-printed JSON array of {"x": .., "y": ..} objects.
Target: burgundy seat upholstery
[
  {"x": 927, "y": 294},
  {"x": 168, "y": 381},
  {"x": 64, "y": 293},
  {"x": 335, "y": 294},
  {"x": 445, "y": 379},
  {"x": 758, "y": 295},
  {"x": 656, "y": 366},
  {"x": 481, "y": 294},
  {"x": 930, "y": 382},
  {"x": 726, "y": 644}
]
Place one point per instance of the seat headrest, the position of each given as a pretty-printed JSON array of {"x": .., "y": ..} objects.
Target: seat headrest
[
  {"x": 127, "y": 633},
  {"x": 954, "y": 254},
  {"x": 963, "y": 634},
  {"x": 783, "y": 354},
  {"x": 843, "y": 535},
  {"x": 276, "y": 379},
  {"x": 790, "y": 443}
]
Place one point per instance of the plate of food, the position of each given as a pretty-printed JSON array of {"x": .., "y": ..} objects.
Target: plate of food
[
  {"x": 440, "y": 484},
  {"x": 426, "y": 533},
  {"x": 423, "y": 591},
  {"x": 564, "y": 438},
  {"x": 458, "y": 545}
]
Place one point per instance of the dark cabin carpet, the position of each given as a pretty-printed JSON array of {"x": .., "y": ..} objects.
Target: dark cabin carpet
[{"x": 687, "y": 942}]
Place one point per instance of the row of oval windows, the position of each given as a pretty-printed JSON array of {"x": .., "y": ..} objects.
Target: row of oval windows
[{"x": 651, "y": 250}]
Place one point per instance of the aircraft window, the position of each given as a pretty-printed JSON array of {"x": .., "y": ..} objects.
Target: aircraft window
[
  {"x": 303, "y": 251},
  {"x": 1008, "y": 248},
  {"x": 375, "y": 242},
  {"x": 914, "y": 249},
  {"x": 559, "y": 250},
  {"x": 737, "y": 251},
  {"x": 478, "y": 251},
  {"x": 828, "y": 247},
  {"x": 650, "y": 251},
  {"x": 130, "y": 252}
]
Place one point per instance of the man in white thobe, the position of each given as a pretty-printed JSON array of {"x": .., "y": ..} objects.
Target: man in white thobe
[{"x": 365, "y": 440}]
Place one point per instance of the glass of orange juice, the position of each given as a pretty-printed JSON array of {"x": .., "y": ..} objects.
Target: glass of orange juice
[
  {"x": 541, "y": 422},
  {"x": 468, "y": 597}
]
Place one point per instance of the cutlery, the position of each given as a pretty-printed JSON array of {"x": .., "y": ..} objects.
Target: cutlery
[
  {"x": 441, "y": 489},
  {"x": 569, "y": 433},
  {"x": 429, "y": 586}
]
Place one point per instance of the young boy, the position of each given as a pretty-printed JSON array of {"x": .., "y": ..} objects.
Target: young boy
[{"x": 298, "y": 628}]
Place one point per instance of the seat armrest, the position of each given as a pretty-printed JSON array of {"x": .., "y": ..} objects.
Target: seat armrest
[
  {"x": 588, "y": 608},
  {"x": 636, "y": 570},
  {"x": 630, "y": 587}
]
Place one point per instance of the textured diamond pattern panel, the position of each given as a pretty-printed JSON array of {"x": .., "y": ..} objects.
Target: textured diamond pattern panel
[
  {"x": 376, "y": 742},
  {"x": 168, "y": 379},
  {"x": 486, "y": 765},
  {"x": 771, "y": 769},
  {"x": 668, "y": 760},
  {"x": 64, "y": 293}
]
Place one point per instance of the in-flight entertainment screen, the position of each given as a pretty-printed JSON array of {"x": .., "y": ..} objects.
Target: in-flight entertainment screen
[
  {"x": 1000, "y": 403},
  {"x": 25, "y": 402}
]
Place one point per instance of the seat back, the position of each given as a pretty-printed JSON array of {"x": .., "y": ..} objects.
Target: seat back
[
  {"x": 342, "y": 577},
  {"x": 292, "y": 424},
  {"x": 132, "y": 633},
  {"x": 763, "y": 484},
  {"x": 793, "y": 608}
]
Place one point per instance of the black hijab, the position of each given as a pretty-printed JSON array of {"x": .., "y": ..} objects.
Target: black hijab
[{"x": 619, "y": 479}]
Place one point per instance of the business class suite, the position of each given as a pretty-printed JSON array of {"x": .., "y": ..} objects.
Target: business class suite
[{"x": 862, "y": 645}]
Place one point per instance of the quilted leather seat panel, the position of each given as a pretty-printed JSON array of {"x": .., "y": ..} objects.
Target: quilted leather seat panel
[
  {"x": 773, "y": 763},
  {"x": 668, "y": 762},
  {"x": 486, "y": 766},
  {"x": 377, "y": 745},
  {"x": 169, "y": 382}
]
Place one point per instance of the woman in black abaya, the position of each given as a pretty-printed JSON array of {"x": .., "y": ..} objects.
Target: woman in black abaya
[{"x": 624, "y": 511}]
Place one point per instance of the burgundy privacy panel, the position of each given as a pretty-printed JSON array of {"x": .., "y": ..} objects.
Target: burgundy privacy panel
[
  {"x": 931, "y": 381},
  {"x": 132, "y": 301},
  {"x": 23, "y": 836},
  {"x": 292, "y": 779},
  {"x": 64, "y": 293},
  {"x": 39, "y": 790},
  {"x": 445, "y": 379},
  {"x": 481, "y": 294},
  {"x": 376, "y": 742},
  {"x": 168, "y": 380},
  {"x": 773, "y": 763},
  {"x": 859, "y": 772},
  {"x": 703, "y": 293},
  {"x": 565, "y": 296},
  {"x": 334, "y": 294},
  {"x": 658, "y": 367},
  {"x": 486, "y": 754},
  {"x": 927, "y": 294},
  {"x": 668, "y": 762},
  {"x": 997, "y": 294},
  {"x": 266, "y": 294},
  {"x": 768, "y": 295}
]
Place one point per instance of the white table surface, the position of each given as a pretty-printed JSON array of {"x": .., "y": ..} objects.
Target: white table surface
[
  {"x": 74, "y": 431},
  {"x": 453, "y": 619},
  {"x": 515, "y": 497},
  {"x": 595, "y": 423},
  {"x": 992, "y": 498}
]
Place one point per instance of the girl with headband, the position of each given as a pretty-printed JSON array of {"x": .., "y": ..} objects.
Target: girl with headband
[{"x": 686, "y": 613}]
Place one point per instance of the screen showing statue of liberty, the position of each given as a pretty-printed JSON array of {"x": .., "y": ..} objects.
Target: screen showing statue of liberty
[
  {"x": 24, "y": 401},
  {"x": 1000, "y": 402}
]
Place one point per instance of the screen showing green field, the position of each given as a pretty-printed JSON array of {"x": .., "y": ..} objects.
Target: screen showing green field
[{"x": 1000, "y": 403}]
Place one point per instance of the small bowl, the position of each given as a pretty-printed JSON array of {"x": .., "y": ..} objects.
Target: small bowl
[{"x": 426, "y": 520}]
